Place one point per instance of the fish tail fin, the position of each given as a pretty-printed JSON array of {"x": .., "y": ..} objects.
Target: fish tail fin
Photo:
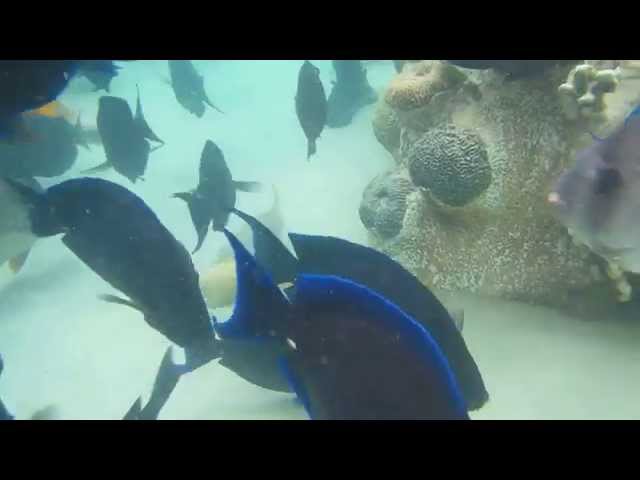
[
  {"x": 142, "y": 122},
  {"x": 260, "y": 307},
  {"x": 134, "y": 411},
  {"x": 166, "y": 380},
  {"x": 251, "y": 187},
  {"x": 16, "y": 263},
  {"x": 100, "y": 168},
  {"x": 311, "y": 148}
]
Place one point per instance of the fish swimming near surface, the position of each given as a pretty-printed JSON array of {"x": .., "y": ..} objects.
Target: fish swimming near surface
[
  {"x": 16, "y": 228},
  {"x": 598, "y": 199},
  {"x": 99, "y": 72},
  {"x": 349, "y": 353},
  {"x": 188, "y": 87},
  {"x": 167, "y": 379},
  {"x": 124, "y": 137},
  {"x": 331, "y": 256},
  {"x": 213, "y": 200},
  {"x": 120, "y": 238},
  {"x": 311, "y": 104},
  {"x": 27, "y": 85}
]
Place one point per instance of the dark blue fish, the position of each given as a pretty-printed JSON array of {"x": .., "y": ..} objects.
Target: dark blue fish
[
  {"x": 352, "y": 354},
  {"x": 99, "y": 72},
  {"x": 311, "y": 104},
  {"x": 4, "y": 413},
  {"x": 120, "y": 238},
  {"x": 30, "y": 84},
  {"x": 213, "y": 200},
  {"x": 52, "y": 152},
  {"x": 188, "y": 87},
  {"x": 332, "y": 256},
  {"x": 166, "y": 381},
  {"x": 124, "y": 137}
]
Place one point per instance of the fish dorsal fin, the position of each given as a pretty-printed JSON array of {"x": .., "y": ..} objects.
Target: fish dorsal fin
[
  {"x": 270, "y": 252},
  {"x": 142, "y": 122},
  {"x": 259, "y": 302}
]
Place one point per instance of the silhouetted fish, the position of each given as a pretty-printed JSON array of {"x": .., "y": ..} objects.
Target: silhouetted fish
[
  {"x": 311, "y": 104},
  {"x": 214, "y": 198},
  {"x": 166, "y": 380},
  {"x": 99, "y": 72},
  {"x": 188, "y": 87},
  {"x": 124, "y": 137},
  {"x": 120, "y": 238},
  {"x": 598, "y": 198},
  {"x": 351, "y": 353}
]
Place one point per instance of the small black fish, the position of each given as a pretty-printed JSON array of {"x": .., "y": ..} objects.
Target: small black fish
[
  {"x": 166, "y": 381},
  {"x": 311, "y": 104},
  {"x": 120, "y": 238},
  {"x": 124, "y": 137},
  {"x": 99, "y": 72},
  {"x": 52, "y": 152},
  {"x": 214, "y": 198},
  {"x": 349, "y": 94},
  {"x": 352, "y": 354},
  {"x": 30, "y": 84},
  {"x": 322, "y": 255},
  {"x": 188, "y": 87}
]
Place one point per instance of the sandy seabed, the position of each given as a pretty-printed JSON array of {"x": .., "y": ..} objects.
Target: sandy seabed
[{"x": 63, "y": 346}]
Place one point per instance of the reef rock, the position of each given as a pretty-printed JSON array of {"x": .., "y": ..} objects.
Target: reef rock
[{"x": 482, "y": 223}]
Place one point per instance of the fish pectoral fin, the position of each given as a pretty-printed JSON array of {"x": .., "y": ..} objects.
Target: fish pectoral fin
[
  {"x": 186, "y": 196},
  {"x": 251, "y": 187},
  {"x": 100, "y": 168},
  {"x": 16, "y": 263},
  {"x": 120, "y": 301},
  {"x": 153, "y": 149}
]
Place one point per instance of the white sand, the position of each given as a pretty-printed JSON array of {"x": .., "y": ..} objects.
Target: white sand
[{"x": 63, "y": 346}]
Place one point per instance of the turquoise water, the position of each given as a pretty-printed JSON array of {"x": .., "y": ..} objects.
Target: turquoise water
[{"x": 63, "y": 346}]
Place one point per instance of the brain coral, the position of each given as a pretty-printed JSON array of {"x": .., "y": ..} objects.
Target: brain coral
[
  {"x": 384, "y": 203},
  {"x": 452, "y": 163}
]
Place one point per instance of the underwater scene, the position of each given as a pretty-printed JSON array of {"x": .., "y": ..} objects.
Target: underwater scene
[{"x": 319, "y": 239}]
